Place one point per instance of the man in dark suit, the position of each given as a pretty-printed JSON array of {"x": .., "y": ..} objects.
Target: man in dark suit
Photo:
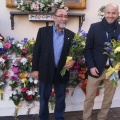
[
  {"x": 49, "y": 57},
  {"x": 98, "y": 63}
]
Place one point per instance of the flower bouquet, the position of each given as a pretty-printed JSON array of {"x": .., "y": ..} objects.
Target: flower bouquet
[
  {"x": 76, "y": 49},
  {"x": 16, "y": 97},
  {"x": 113, "y": 51},
  {"x": 52, "y": 100}
]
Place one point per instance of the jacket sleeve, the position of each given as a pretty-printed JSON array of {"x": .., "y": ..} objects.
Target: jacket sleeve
[
  {"x": 36, "y": 52},
  {"x": 88, "y": 51}
]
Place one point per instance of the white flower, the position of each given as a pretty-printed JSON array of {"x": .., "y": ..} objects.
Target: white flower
[
  {"x": 1, "y": 45},
  {"x": 11, "y": 94},
  {"x": 59, "y": 1},
  {"x": 31, "y": 80},
  {"x": 10, "y": 82},
  {"x": 1, "y": 72},
  {"x": 42, "y": 5},
  {"x": 61, "y": 6},
  {"x": 23, "y": 61},
  {"x": 33, "y": 93},
  {"x": 2, "y": 61},
  {"x": 35, "y": 81},
  {"x": 20, "y": 46},
  {"x": 29, "y": 92},
  {"x": 14, "y": 92},
  {"x": 2, "y": 83},
  {"x": 35, "y": 90},
  {"x": 66, "y": 8},
  {"x": 15, "y": 3}
]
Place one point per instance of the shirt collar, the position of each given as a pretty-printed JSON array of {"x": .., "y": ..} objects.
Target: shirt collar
[{"x": 55, "y": 30}]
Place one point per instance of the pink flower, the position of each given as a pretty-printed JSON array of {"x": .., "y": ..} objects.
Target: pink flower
[
  {"x": 24, "y": 50},
  {"x": 24, "y": 89},
  {"x": 76, "y": 67},
  {"x": 7, "y": 45},
  {"x": 15, "y": 70}
]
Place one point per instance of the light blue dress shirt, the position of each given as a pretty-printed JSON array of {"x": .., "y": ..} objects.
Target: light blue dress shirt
[{"x": 58, "y": 41}]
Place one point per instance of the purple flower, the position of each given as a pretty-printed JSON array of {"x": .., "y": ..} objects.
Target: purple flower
[
  {"x": 82, "y": 32},
  {"x": 25, "y": 40},
  {"x": 118, "y": 38},
  {"x": 15, "y": 77},
  {"x": 108, "y": 50},
  {"x": 10, "y": 39},
  {"x": 4, "y": 50},
  {"x": 74, "y": 42},
  {"x": 1, "y": 50}
]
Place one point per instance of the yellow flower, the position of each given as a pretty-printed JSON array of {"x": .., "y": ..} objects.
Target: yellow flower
[
  {"x": 30, "y": 63},
  {"x": 68, "y": 58},
  {"x": 24, "y": 80},
  {"x": 83, "y": 43},
  {"x": 117, "y": 50},
  {"x": 23, "y": 75},
  {"x": 32, "y": 42}
]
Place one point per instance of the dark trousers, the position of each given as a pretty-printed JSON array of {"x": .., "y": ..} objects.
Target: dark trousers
[{"x": 45, "y": 92}]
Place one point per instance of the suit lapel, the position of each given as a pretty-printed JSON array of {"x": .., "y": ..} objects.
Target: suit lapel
[{"x": 50, "y": 43}]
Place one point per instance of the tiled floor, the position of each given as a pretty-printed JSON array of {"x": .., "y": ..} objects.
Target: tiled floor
[{"x": 114, "y": 114}]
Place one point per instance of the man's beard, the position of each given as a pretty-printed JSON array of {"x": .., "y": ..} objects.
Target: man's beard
[{"x": 61, "y": 26}]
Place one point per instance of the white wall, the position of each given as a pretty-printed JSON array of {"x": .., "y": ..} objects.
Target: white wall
[{"x": 24, "y": 28}]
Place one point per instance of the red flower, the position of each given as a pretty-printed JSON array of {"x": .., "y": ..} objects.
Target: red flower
[
  {"x": 30, "y": 58},
  {"x": 81, "y": 75},
  {"x": 4, "y": 56},
  {"x": 52, "y": 93},
  {"x": 6, "y": 74},
  {"x": 1, "y": 37},
  {"x": 67, "y": 91},
  {"x": 29, "y": 97}
]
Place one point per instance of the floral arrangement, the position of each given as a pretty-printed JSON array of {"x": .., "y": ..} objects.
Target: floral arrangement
[
  {"x": 16, "y": 97},
  {"x": 77, "y": 47},
  {"x": 5, "y": 51},
  {"x": 39, "y": 5},
  {"x": 19, "y": 73},
  {"x": 101, "y": 12},
  {"x": 113, "y": 51}
]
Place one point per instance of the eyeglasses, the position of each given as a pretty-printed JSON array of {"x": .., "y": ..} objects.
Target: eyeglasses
[{"x": 61, "y": 16}]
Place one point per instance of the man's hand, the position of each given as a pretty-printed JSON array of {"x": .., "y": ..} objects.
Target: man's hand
[
  {"x": 69, "y": 64},
  {"x": 94, "y": 71},
  {"x": 35, "y": 74}
]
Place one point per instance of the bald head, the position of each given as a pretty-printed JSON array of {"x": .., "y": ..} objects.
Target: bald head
[
  {"x": 112, "y": 5},
  {"x": 111, "y": 13}
]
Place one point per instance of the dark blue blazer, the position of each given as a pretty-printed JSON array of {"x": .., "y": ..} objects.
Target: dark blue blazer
[
  {"x": 95, "y": 47},
  {"x": 43, "y": 55}
]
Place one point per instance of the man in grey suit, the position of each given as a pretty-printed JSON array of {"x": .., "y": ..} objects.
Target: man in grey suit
[
  {"x": 96, "y": 61},
  {"x": 49, "y": 57}
]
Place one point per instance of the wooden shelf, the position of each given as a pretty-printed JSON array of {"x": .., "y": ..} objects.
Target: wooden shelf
[{"x": 12, "y": 14}]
